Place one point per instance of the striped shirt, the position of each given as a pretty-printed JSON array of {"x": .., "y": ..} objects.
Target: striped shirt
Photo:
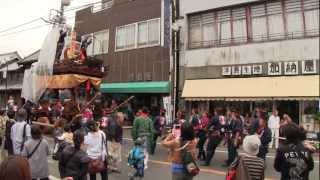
[{"x": 255, "y": 167}]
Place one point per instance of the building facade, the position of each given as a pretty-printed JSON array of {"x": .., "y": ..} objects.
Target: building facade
[
  {"x": 133, "y": 39},
  {"x": 251, "y": 53},
  {"x": 11, "y": 78}
]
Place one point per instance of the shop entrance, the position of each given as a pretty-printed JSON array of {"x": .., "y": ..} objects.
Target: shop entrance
[{"x": 289, "y": 107}]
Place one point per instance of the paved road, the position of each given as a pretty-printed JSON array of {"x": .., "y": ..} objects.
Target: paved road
[{"x": 159, "y": 168}]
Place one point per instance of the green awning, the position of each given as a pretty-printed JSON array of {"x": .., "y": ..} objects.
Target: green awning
[{"x": 136, "y": 87}]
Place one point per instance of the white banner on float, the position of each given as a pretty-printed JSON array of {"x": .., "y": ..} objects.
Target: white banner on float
[{"x": 168, "y": 107}]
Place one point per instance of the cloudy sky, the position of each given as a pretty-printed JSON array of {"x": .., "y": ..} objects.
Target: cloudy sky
[{"x": 16, "y": 12}]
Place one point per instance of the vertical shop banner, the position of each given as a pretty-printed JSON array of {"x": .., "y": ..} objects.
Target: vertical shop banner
[{"x": 168, "y": 107}]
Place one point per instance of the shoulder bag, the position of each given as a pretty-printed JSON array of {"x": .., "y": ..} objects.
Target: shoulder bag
[
  {"x": 97, "y": 165},
  {"x": 34, "y": 150}
]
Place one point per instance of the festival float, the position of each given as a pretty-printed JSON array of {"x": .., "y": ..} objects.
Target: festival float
[{"x": 64, "y": 81}]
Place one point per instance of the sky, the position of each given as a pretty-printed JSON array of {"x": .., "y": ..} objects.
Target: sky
[{"x": 16, "y": 12}]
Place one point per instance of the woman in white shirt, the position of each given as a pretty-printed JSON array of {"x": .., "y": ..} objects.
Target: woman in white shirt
[{"x": 95, "y": 143}]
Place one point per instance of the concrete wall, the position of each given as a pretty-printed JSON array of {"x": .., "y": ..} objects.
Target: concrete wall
[
  {"x": 286, "y": 50},
  {"x": 191, "y": 6}
]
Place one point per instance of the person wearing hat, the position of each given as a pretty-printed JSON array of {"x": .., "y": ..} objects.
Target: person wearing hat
[
  {"x": 20, "y": 131},
  {"x": 248, "y": 165}
]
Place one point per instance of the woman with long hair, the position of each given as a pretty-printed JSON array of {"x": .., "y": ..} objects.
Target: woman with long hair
[{"x": 176, "y": 145}]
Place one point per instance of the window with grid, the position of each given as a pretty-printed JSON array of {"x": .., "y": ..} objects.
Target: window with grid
[
  {"x": 275, "y": 19},
  {"x": 294, "y": 18},
  {"x": 224, "y": 26},
  {"x": 149, "y": 33},
  {"x": 125, "y": 37},
  {"x": 239, "y": 25},
  {"x": 259, "y": 27},
  {"x": 202, "y": 30},
  {"x": 99, "y": 42},
  {"x": 311, "y": 14}
]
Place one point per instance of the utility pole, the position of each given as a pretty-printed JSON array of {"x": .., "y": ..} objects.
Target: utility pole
[{"x": 176, "y": 55}]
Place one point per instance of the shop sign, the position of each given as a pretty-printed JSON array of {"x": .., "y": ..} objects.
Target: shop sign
[
  {"x": 274, "y": 68},
  {"x": 246, "y": 70},
  {"x": 256, "y": 69},
  {"x": 226, "y": 70},
  {"x": 291, "y": 68},
  {"x": 236, "y": 70},
  {"x": 309, "y": 67}
]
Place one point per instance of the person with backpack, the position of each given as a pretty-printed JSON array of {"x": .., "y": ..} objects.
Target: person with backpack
[
  {"x": 248, "y": 165},
  {"x": 182, "y": 153},
  {"x": 293, "y": 160},
  {"x": 20, "y": 131},
  {"x": 136, "y": 159},
  {"x": 74, "y": 161},
  {"x": 36, "y": 150}
]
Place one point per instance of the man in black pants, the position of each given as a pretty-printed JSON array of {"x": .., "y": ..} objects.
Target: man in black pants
[
  {"x": 214, "y": 138},
  {"x": 234, "y": 131}
]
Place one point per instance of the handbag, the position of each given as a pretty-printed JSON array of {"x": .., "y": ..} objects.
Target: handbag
[
  {"x": 97, "y": 165},
  {"x": 189, "y": 163}
]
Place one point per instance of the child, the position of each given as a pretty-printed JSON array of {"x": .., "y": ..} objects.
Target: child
[{"x": 136, "y": 159}]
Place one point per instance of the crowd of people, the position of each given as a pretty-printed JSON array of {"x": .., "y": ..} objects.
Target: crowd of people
[{"x": 94, "y": 147}]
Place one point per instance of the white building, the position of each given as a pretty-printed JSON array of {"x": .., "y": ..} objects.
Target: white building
[{"x": 251, "y": 53}]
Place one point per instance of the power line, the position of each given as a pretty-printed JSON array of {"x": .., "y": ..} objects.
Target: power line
[
  {"x": 29, "y": 29},
  {"x": 20, "y": 25},
  {"x": 24, "y": 30}
]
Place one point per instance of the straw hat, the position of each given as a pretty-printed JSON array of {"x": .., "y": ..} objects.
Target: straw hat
[{"x": 251, "y": 144}]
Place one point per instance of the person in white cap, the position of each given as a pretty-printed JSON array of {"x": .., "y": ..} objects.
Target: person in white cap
[{"x": 248, "y": 165}]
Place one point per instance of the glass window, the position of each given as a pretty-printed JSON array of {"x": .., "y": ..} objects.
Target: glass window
[
  {"x": 154, "y": 32},
  {"x": 130, "y": 36},
  {"x": 142, "y": 34},
  {"x": 224, "y": 26},
  {"x": 259, "y": 23},
  {"x": 311, "y": 14},
  {"x": 275, "y": 17},
  {"x": 195, "y": 31},
  {"x": 90, "y": 46},
  {"x": 208, "y": 30},
  {"x": 294, "y": 18},
  {"x": 125, "y": 37},
  {"x": 239, "y": 25},
  {"x": 101, "y": 42}
]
